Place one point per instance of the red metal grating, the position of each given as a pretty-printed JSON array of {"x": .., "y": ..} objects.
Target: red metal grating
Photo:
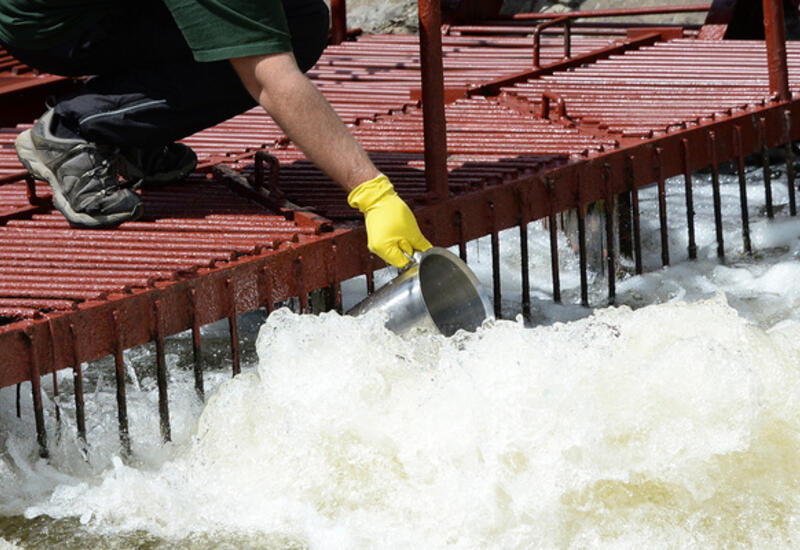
[
  {"x": 488, "y": 143},
  {"x": 378, "y": 75},
  {"x": 691, "y": 81},
  {"x": 46, "y": 265},
  {"x": 490, "y": 140}
]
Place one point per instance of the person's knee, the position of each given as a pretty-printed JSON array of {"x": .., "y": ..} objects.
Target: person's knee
[{"x": 309, "y": 22}]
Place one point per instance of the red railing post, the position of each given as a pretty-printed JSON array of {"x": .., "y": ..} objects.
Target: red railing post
[
  {"x": 537, "y": 38},
  {"x": 338, "y": 21},
  {"x": 430, "y": 44},
  {"x": 775, "y": 34}
]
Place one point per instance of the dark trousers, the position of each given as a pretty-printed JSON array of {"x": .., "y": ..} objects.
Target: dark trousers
[{"x": 146, "y": 89}]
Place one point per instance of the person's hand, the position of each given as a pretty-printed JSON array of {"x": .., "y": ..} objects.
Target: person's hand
[{"x": 392, "y": 230}]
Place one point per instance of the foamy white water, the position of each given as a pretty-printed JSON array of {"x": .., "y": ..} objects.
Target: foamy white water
[
  {"x": 672, "y": 425},
  {"x": 601, "y": 431}
]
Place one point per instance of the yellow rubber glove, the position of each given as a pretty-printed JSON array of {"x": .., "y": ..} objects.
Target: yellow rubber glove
[{"x": 391, "y": 226}]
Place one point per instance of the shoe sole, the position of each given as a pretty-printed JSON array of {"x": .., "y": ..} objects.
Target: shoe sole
[{"x": 26, "y": 151}]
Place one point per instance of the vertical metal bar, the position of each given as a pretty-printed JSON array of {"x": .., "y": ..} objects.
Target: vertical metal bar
[
  {"x": 775, "y": 34},
  {"x": 712, "y": 149},
  {"x": 77, "y": 383},
  {"x": 582, "y": 255},
  {"x": 637, "y": 235},
  {"x": 329, "y": 298},
  {"x": 498, "y": 309},
  {"x": 687, "y": 182},
  {"x": 430, "y": 35},
  {"x": 612, "y": 268},
  {"x": 370, "y": 275},
  {"x": 553, "y": 227},
  {"x": 269, "y": 300},
  {"x": 790, "y": 175},
  {"x": 19, "y": 401},
  {"x": 495, "y": 240},
  {"x": 367, "y": 265},
  {"x": 302, "y": 289},
  {"x": 30, "y": 189},
  {"x": 51, "y": 333},
  {"x": 197, "y": 350},
  {"x": 36, "y": 391},
  {"x": 271, "y": 184},
  {"x": 554, "y": 257},
  {"x": 739, "y": 151},
  {"x": 462, "y": 243},
  {"x": 338, "y": 21},
  {"x": 337, "y": 298},
  {"x": 762, "y": 132},
  {"x": 582, "y": 241},
  {"x": 119, "y": 364},
  {"x": 537, "y": 44},
  {"x": 523, "y": 253},
  {"x": 161, "y": 373},
  {"x": 662, "y": 207},
  {"x": 625, "y": 224},
  {"x": 637, "y": 222},
  {"x": 337, "y": 281},
  {"x": 524, "y": 266},
  {"x": 55, "y": 400},
  {"x": 233, "y": 327},
  {"x": 567, "y": 38}
]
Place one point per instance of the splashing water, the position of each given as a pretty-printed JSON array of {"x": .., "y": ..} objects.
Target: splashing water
[
  {"x": 670, "y": 426},
  {"x": 674, "y": 425}
]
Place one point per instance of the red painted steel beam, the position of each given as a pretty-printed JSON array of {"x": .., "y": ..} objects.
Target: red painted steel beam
[
  {"x": 775, "y": 32},
  {"x": 430, "y": 44},
  {"x": 338, "y": 21}
]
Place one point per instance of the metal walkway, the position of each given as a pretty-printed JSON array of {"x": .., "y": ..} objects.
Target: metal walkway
[{"x": 258, "y": 224}]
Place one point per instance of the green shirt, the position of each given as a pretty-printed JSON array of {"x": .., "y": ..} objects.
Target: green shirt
[
  {"x": 214, "y": 29},
  {"x": 38, "y": 24}
]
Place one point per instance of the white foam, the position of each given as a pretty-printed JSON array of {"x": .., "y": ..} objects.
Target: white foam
[{"x": 671, "y": 425}]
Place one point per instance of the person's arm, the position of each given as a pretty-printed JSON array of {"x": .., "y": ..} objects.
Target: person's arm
[{"x": 304, "y": 114}]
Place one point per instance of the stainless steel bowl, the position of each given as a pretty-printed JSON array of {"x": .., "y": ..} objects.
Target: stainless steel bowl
[{"x": 437, "y": 292}]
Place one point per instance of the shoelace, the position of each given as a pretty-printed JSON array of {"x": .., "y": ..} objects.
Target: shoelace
[
  {"x": 102, "y": 171},
  {"x": 105, "y": 170}
]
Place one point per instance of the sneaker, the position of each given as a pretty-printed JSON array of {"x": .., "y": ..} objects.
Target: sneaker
[
  {"x": 82, "y": 175},
  {"x": 159, "y": 166}
]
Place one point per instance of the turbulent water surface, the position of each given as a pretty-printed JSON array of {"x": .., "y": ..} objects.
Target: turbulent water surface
[{"x": 674, "y": 423}]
